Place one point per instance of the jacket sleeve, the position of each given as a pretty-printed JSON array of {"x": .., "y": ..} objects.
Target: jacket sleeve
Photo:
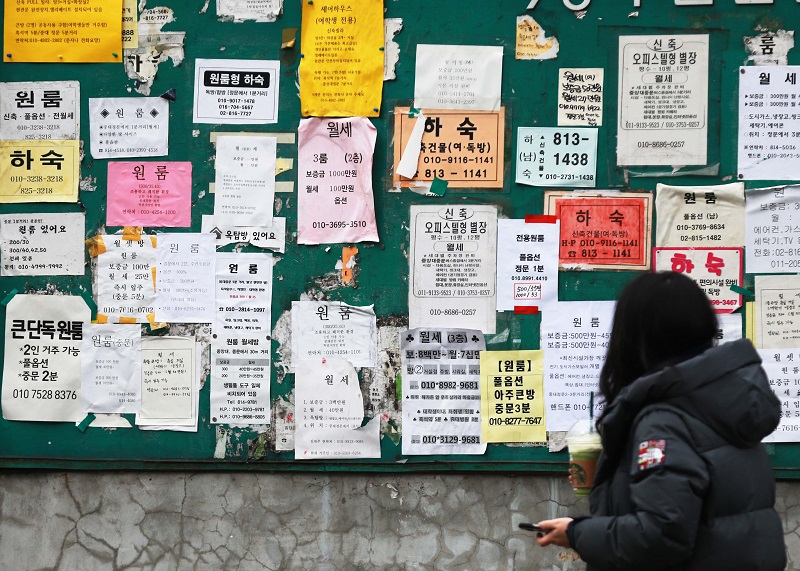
[{"x": 667, "y": 497}]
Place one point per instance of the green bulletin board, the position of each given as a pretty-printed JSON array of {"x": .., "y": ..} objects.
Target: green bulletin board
[{"x": 587, "y": 39}]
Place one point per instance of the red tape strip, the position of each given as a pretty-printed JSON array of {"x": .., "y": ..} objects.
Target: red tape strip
[
  {"x": 526, "y": 309},
  {"x": 540, "y": 219}
]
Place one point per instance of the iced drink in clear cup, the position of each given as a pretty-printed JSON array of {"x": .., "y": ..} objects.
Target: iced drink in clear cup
[{"x": 584, "y": 448}]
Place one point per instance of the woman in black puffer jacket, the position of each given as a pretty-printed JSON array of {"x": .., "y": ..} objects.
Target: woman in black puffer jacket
[{"x": 683, "y": 481}]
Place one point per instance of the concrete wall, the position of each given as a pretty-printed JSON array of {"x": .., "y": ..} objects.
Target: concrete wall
[{"x": 98, "y": 521}]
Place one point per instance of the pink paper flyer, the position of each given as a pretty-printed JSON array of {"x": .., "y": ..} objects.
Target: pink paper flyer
[
  {"x": 156, "y": 193},
  {"x": 335, "y": 202}
]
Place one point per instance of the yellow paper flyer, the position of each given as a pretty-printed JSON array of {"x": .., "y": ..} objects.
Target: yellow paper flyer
[
  {"x": 512, "y": 396},
  {"x": 341, "y": 73},
  {"x": 68, "y": 32},
  {"x": 39, "y": 171}
]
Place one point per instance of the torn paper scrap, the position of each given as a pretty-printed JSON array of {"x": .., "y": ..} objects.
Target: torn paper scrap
[
  {"x": 141, "y": 63},
  {"x": 329, "y": 411},
  {"x": 410, "y": 158},
  {"x": 391, "y": 49},
  {"x": 769, "y": 48},
  {"x": 242, "y": 10},
  {"x": 532, "y": 42},
  {"x": 42, "y": 358},
  {"x": 111, "y": 375}
]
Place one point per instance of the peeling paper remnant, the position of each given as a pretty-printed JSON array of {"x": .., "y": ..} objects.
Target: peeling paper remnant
[
  {"x": 155, "y": 47},
  {"x": 242, "y": 10},
  {"x": 532, "y": 42},
  {"x": 769, "y": 48},
  {"x": 391, "y": 50}
]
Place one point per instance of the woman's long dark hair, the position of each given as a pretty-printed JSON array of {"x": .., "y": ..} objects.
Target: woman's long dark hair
[{"x": 659, "y": 317}]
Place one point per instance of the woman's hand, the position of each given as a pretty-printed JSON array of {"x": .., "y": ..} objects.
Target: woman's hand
[{"x": 556, "y": 532}]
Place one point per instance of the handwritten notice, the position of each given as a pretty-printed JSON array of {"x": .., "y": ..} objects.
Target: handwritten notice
[
  {"x": 42, "y": 359},
  {"x": 123, "y": 127},
  {"x": 150, "y": 194},
  {"x": 441, "y": 391},
  {"x": 329, "y": 411},
  {"x": 185, "y": 286},
  {"x": 322, "y": 329},
  {"x": 458, "y": 77},
  {"x": 772, "y": 228},
  {"x": 125, "y": 279},
  {"x": 39, "y": 171},
  {"x": 783, "y": 370},
  {"x": 335, "y": 202},
  {"x": 341, "y": 73},
  {"x": 42, "y": 244},
  {"x": 512, "y": 396},
  {"x": 453, "y": 266},
  {"x": 575, "y": 336},
  {"x": 245, "y": 180},
  {"x": 580, "y": 96},
  {"x": 610, "y": 230},
  {"x": 244, "y": 293},
  {"x": 663, "y": 100},
  {"x": 40, "y": 110},
  {"x": 715, "y": 270},
  {"x": 236, "y": 91},
  {"x": 700, "y": 216},
  {"x": 527, "y": 263},
  {"x": 552, "y": 156},
  {"x": 240, "y": 372},
  {"x": 532, "y": 43},
  {"x": 111, "y": 373},
  {"x": 169, "y": 383},
  {"x": 464, "y": 148},
  {"x": 777, "y": 312},
  {"x": 35, "y": 32}
]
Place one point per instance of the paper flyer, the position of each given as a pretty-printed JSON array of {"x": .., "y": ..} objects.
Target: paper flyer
[
  {"x": 111, "y": 368},
  {"x": 441, "y": 391},
  {"x": 574, "y": 338},
  {"x": 341, "y": 72},
  {"x": 512, "y": 396},
  {"x": 150, "y": 194},
  {"x": 42, "y": 244},
  {"x": 329, "y": 412},
  {"x": 42, "y": 357},
  {"x": 244, "y": 180},
  {"x": 527, "y": 263},
  {"x": 335, "y": 202},
  {"x": 322, "y": 329},
  {"x": 185, "y": 286},
  {"x": 453, "y": 265}
]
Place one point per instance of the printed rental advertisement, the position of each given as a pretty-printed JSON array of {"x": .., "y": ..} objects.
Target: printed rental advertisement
[
  {"x": 772, "y": 229},
  {"x": 42, "y": 244},
  {"x": 453, "y": 265},
  {"x": 40, "y": 110},
  {"x": 240, "y": 371},
  {"x": 39, "y": 171},
  {"x": 150, "y": 194},
  {"x": 129, "y": 127},
  {"x": 663, "y": 100},
  {"x": 235, "y": 91}
]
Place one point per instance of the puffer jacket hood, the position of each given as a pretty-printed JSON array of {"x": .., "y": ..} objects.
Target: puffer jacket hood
[{"x": 724, "y": 387}]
